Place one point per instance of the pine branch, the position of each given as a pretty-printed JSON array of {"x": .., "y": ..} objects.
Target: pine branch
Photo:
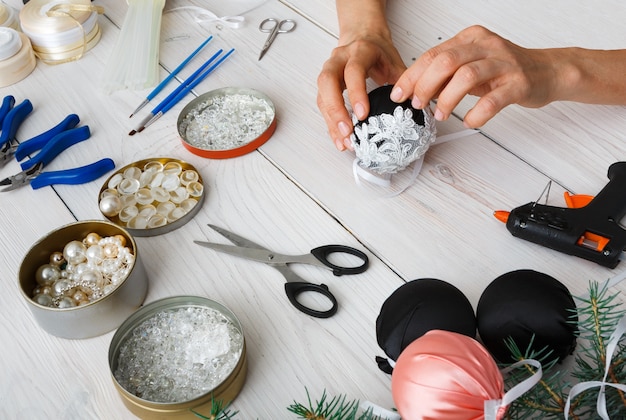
[
  {"x": 337, "y": 408},
  {"x": 218, "y": 411}
]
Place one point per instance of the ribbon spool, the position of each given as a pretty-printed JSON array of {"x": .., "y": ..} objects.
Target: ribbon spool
[
  {"x": 8, "y": 17},
  {"x": 17, "y": 59},
  {"x": 61, "y": 32}
]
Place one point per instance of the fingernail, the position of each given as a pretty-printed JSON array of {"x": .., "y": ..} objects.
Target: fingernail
[
  {"x": 339, "y": 145},
  {"x": 396, "y": 94},
  {"x": 359, "y": 110},
  {"x": 344, "y": 129},
  {"x": 348, "y": 143},
  {"x": 416, "y": 103},
  {"x": 439, "y": 115}
]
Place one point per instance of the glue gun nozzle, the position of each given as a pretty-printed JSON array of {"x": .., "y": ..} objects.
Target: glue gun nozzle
[{"x": 501, "y": 215}]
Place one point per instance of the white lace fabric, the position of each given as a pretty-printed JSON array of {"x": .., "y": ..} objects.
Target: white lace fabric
[{"x": 387, "y": 143}]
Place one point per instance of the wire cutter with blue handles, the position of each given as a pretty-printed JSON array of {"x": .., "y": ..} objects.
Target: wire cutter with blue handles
[{"x": 51, "y": 145}]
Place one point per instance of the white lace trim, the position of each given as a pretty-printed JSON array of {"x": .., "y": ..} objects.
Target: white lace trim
[{"x": 388, "y": 143}]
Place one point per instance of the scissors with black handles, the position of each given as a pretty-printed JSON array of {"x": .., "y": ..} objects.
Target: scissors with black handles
[
  {"x": 295, "y": 284},
  {"x": 274, "y": 27}
]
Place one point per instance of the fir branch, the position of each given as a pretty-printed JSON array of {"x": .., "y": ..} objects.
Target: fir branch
[
  {"x": 337, "y": 408},
  {"x": 218, "y": 411}
]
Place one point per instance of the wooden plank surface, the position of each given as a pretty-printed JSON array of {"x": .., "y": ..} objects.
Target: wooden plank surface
[{"x": 295, "y": 193}]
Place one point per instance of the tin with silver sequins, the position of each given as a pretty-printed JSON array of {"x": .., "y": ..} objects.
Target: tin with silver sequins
[
  {"x": 129, "y": 385},
  {"x": 95, "y": 317},
  {"x": 227, "y": 122}
]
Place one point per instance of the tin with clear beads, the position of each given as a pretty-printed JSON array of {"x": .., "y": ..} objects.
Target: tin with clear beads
[
  {"x": 176, "y": 356},
  {"x": 83, "y": 279}
]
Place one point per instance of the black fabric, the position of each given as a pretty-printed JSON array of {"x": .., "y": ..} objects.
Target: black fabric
[
  {"x": 521, "y": 303},
  {"x": 418, "y": 307}
]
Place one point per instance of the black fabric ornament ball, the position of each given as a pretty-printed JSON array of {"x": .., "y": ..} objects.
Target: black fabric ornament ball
[
  {"x": 523, "y": 303},
  {"x": 417, "y": 307},
  {"x": 393, "y": 135}
]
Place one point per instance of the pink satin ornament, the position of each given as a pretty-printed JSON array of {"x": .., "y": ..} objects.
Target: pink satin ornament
[{"x": 445, "y": 375}]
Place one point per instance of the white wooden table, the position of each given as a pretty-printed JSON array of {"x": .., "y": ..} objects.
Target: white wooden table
[{"x": 297, "y": 192}]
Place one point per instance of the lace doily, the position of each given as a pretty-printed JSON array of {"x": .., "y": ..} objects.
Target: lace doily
[{"x": 389, "y": 142}]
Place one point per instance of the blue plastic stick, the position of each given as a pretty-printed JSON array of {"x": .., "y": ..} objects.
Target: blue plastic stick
[
  {"x": 187, "y": 88},
  {"x": 194, "y": 83},
  {"x": 165, "y": 81}
]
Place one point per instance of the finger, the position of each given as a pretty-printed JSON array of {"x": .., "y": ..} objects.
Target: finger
[
  {"x": 488, "y": 106},
  {"x": 430, "y": 72},
  {"x": 355, "y": 77},
  {"x": 331, "y": 103},
  {"x": 472, "y": 78}
]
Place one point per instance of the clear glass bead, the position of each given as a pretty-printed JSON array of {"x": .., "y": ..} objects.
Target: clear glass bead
[
  {"x": 128, "y": 186},
  {"x": 189, "y": 176},
  {"x": 132, "y": 172},
  {"x": 144, "y": 196},
  {"x": 128, "y": 213},
  {"x": 172, "y": 168}
]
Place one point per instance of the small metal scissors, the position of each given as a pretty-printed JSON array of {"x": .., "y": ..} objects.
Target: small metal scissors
[
  {"x": 295, "y": 284},
  {"x": 274, "y": 27}
]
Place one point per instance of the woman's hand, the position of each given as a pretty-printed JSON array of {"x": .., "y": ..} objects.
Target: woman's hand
[{"x": 479, "y": 62}]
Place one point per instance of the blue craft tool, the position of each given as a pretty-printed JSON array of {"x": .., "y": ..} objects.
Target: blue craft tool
[
  {"x": 170, "y": 77},
  {"x": 181, "y": 91},
  {"x": 187, "y": 89},
  {"x": 32, "y": 169}
]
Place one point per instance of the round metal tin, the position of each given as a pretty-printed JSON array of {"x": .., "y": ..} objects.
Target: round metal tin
[
  {"x": 227, "y": 122},
  {"x": 94, "y": 318},
  {"x": 225, "y": 392},
  {"x": 116, "y": 214}
]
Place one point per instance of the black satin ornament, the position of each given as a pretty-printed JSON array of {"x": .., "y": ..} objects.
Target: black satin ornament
[
  {"x": 521, "y": 303},
  {"x": 416, "y": 308}
]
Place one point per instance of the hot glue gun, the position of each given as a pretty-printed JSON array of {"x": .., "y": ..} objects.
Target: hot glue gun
[{"x": 589, "y": 228}]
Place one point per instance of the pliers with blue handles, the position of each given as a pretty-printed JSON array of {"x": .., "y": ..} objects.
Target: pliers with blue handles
[
  {"x": 11, "y": 117},
  {"x": 51, "y": 146}
]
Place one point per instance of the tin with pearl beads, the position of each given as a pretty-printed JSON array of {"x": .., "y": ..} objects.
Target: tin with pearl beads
[
  {"x": 83, "y": 279},
  {"x": 152, "y": 196}
]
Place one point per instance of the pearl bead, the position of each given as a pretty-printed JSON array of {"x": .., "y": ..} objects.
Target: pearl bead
[
  {"x": 56, "y": 258},
  {"x": 79, "y": 296},
  {"x": 110, "y": 251},
  {"x": 47, "y": 274},
  {"x": 66, "y": 302},
  {"x": 60, "y": 287},
  {"x": 92, "y": 278},
  {"x": 95, "y": 254},
  {"x": 74, "y": 252},
  {"x": 111, "y": 205},
  {"x": 43, "y": 299},
  {"x": 121, "y": 239},
  {"x": 92, "y": 239}
]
